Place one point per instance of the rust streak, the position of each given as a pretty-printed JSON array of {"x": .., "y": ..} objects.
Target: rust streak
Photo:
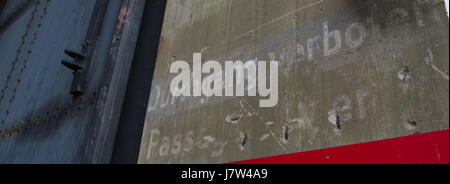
[{"x": 124, "y": 12}]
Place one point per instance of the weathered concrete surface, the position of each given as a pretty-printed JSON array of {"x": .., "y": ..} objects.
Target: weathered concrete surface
[{"x": 388, "y": 78}]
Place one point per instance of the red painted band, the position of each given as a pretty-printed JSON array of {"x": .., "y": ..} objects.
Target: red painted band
[{"x": 427, "y": 148}]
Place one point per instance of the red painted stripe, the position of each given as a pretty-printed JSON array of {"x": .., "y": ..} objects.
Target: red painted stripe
[{"x": 427, "y": 148}]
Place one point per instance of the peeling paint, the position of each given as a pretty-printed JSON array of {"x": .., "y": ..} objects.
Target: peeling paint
[{"x": 124, "y": 13}]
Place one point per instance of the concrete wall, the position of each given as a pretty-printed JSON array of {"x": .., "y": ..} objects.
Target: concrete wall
[{"x": 383, "y": 74}]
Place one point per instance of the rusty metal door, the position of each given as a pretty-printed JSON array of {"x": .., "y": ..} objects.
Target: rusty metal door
[{"x": 63, "y": 69}]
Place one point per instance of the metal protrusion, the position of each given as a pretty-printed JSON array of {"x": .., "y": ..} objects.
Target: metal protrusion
[
  {"x": 85, "y": 43},
  {"x": 79, "y": 74},
  {"x": 71, "y": 66},
  {"x": 338, "y": 122},
  {"x": 77, "y": 88},
  {"x": 74, "y": 55},
  {"x": 244, "y": 139},
  {"x": 412, "y": 122},
  {"x": 286, "y": 133}
]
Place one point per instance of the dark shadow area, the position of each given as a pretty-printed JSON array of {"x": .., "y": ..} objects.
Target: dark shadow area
[
  {"x": 129, "y": 133},
  {"x": 2, "y": 5},
  {"x": 12, "y": 13}
]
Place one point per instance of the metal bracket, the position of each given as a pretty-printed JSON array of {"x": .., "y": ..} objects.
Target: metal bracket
[{"x": 79, "y": 74}]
